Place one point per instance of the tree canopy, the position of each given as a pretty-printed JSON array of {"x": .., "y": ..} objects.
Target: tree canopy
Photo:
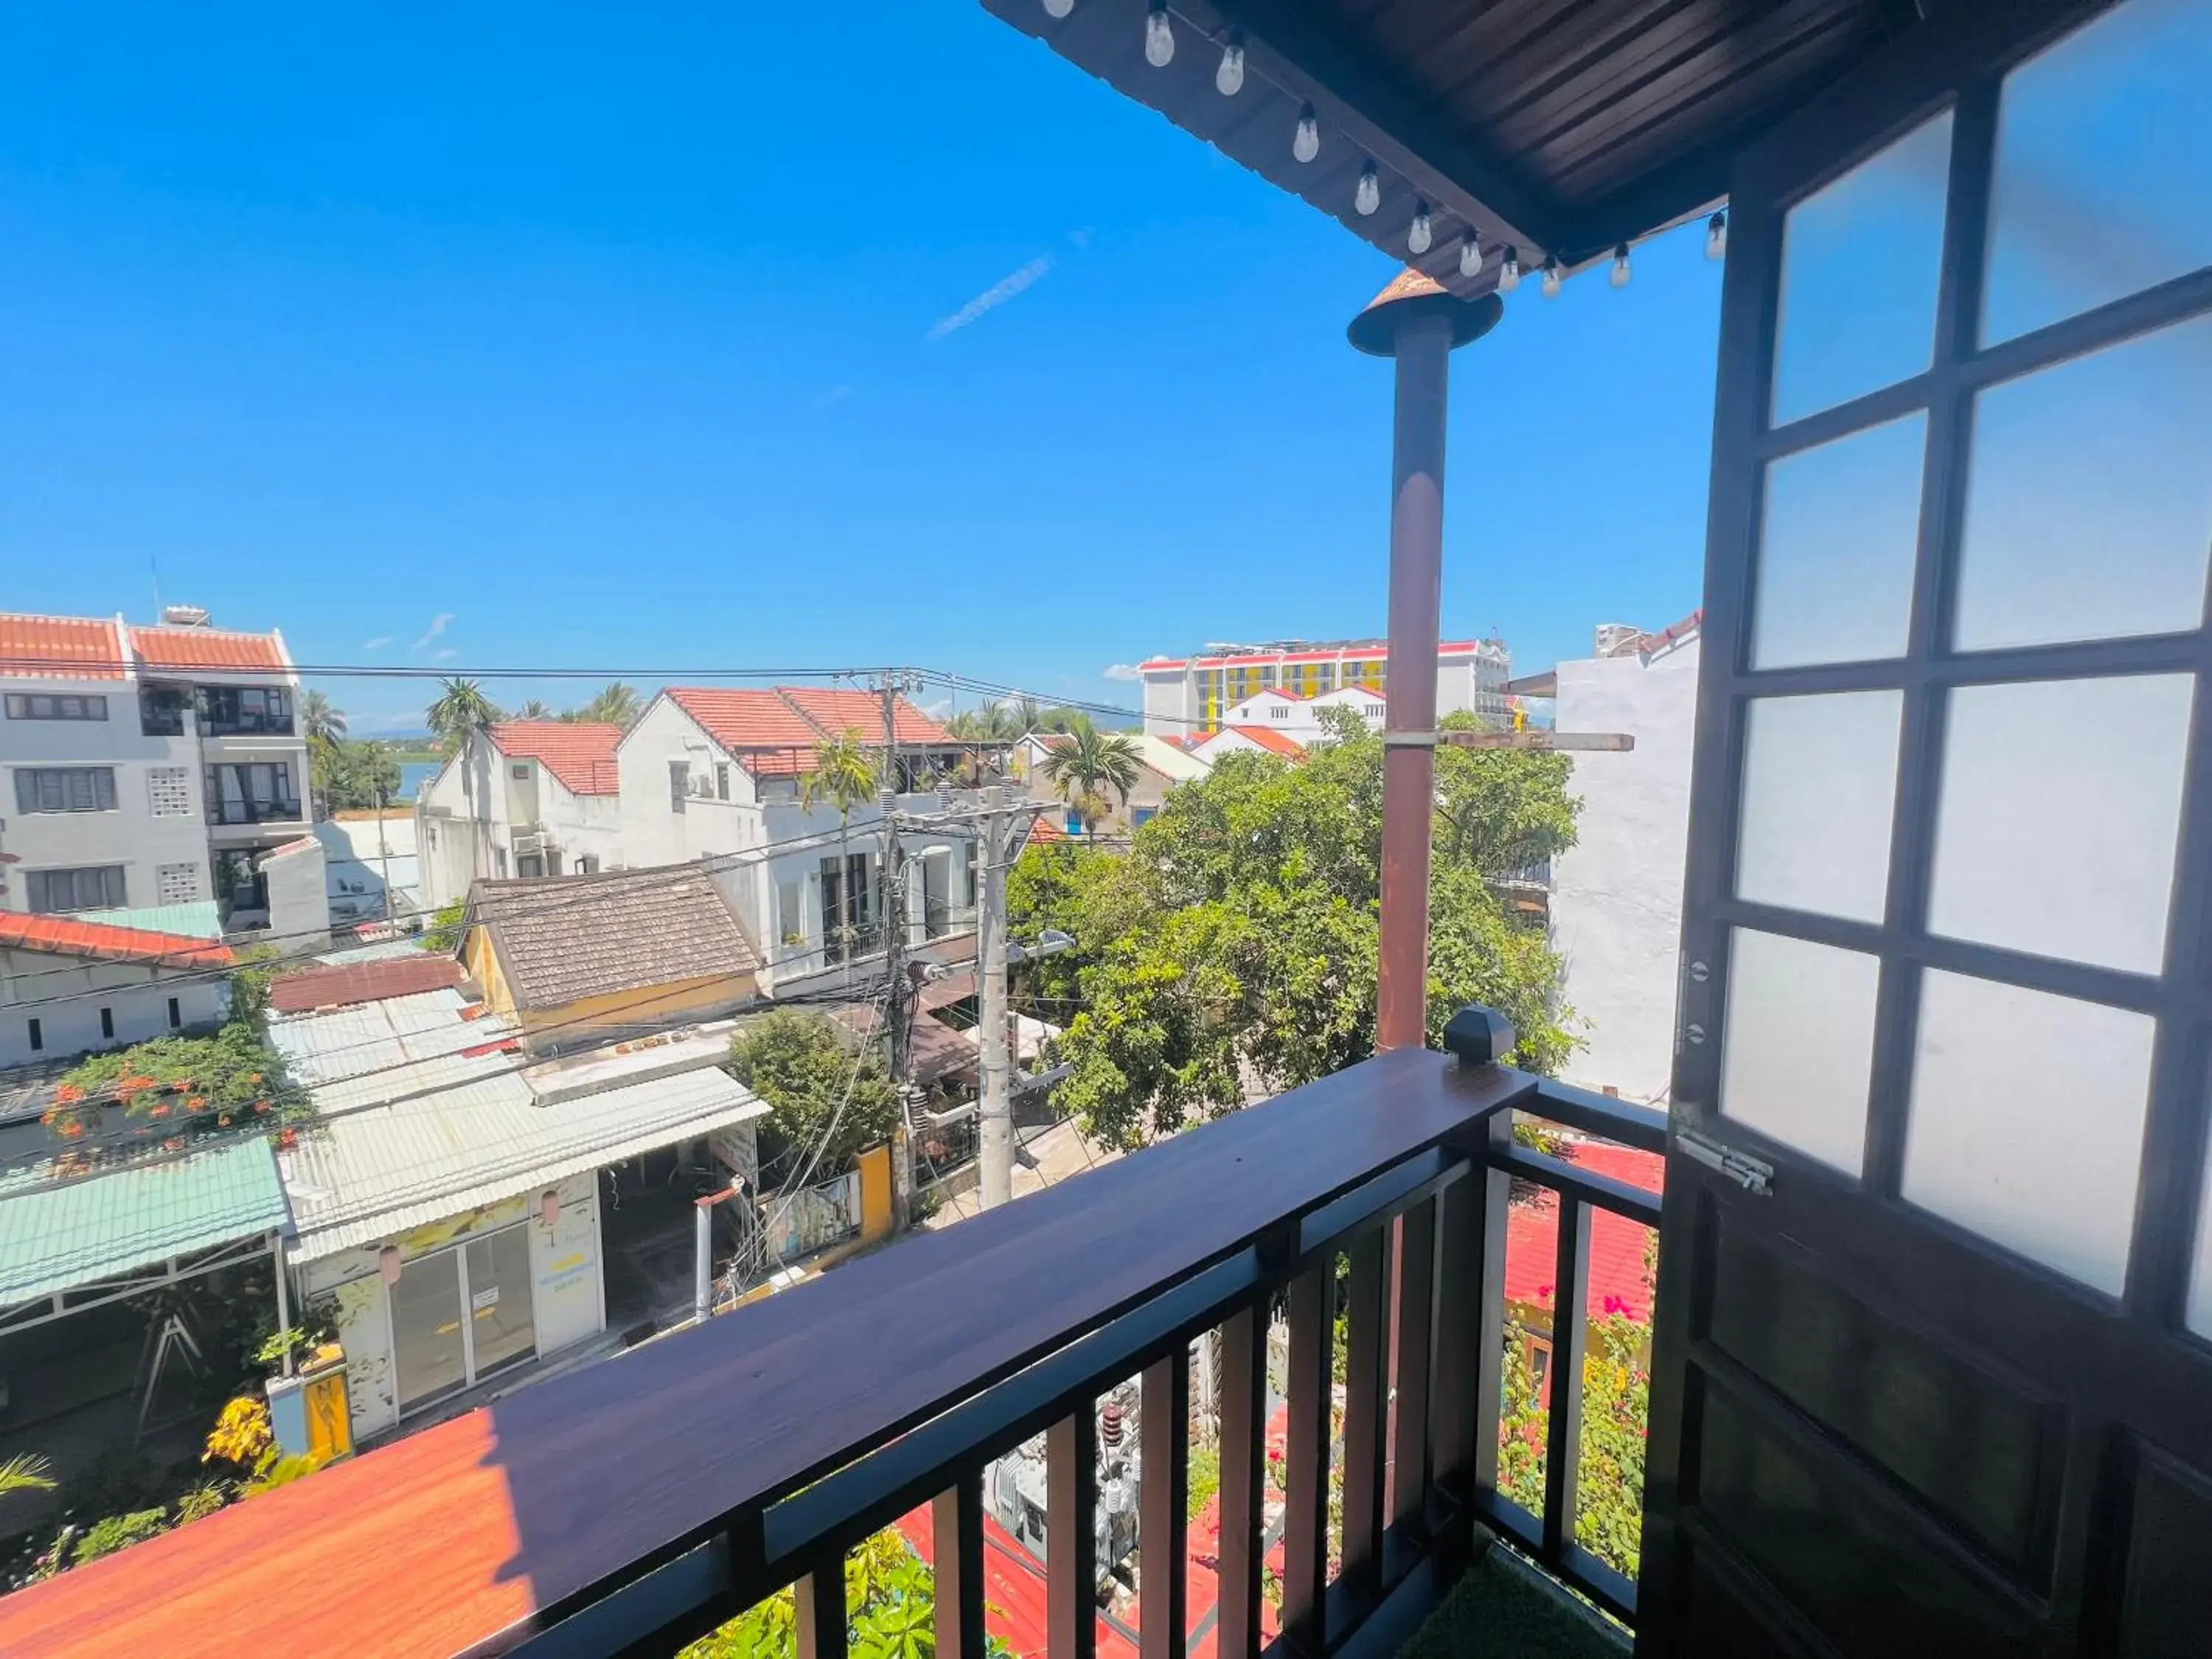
[
  {"x": 1086, "y": 762},
  {"x": 1232, "y": 949},
  {"x": 819, "y": 1093},
  {"x": 461, "y": 707},
  {"x": 353, "y": 772}
]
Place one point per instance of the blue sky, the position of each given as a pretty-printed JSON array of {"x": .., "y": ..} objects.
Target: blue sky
[{"x": 621, "y": 341}]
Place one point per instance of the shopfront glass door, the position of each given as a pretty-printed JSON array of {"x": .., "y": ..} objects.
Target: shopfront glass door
[{"x": 501, "y": 1330}]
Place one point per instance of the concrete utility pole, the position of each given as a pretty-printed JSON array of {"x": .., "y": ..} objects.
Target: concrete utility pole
[
  {"x": 891, "y": 918},
  {"x": 995, "y": 1112}
]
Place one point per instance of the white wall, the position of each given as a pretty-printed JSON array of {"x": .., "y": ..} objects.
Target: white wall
[
  {"x": 65, "y": 994},
  {"x": 299, "y": 891},
  {"x": 1617, "y": 895},
  {"x": 567, "y": 1291},
  {"x": 370, "y": 863},
  {"x": 163, "y": 855}
]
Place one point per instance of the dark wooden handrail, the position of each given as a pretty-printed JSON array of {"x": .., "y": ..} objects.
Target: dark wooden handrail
[{"x": 643, "y": 1498}]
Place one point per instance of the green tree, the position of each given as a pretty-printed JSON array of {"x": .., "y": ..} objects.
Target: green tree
[
  {"x": 1235, "y": 944},
  {"x": 617, "y": 704},
  {"x": 318, "y": 721},
  {"x": 844, "y": 775},
  {"x": 1616, "y": 1385},
  {"x": 1086, "y": 762},
  {"x": 460, "y": 709},
  {"x": 890, "y": 1612},
  {"x": 26, "y": 1472},
  {"x": 353, "y": 773},
  {"x": 536, "y": 709},
  {"x": 994, "y": 722},
  {"x": 448, "y": 923},
  {"x": 819, "y": 1093}
]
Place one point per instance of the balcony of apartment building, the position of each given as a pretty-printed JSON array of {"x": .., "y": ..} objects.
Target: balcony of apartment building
[{"x": 1927, "y": 1359}]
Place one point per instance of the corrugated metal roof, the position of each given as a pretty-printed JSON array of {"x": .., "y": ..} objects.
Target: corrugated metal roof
[
  {"x": 56, "y": 1237},
  {"x": 459, "y": 1130},
  {"x": 199, "y": 919}
]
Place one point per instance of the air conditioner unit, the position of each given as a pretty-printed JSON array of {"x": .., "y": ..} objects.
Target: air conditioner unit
[{"x": 525, "y": 845}]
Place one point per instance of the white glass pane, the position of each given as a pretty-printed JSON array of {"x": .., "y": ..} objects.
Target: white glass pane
[
  {"x": 1820, "y": 779},
  {"x": 2089, "y": 497},
  {"x": 1836, "y": 550},
  {"x": 2059, "y": 808},
  {"x": 1798, "y": 1053},
  {"x": 2104, "y": 167},
  {"x": 1861, "y": 262},
  {"x": 2027, "y": 1119}
]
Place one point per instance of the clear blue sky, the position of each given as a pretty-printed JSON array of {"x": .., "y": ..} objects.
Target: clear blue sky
[{"x": 607, "y": 336}]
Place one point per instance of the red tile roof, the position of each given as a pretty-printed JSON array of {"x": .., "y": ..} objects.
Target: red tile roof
[
  {"x": 1043, "y": 832},
  {"x": 1270, "y": 739},
  {"x": 580, "y": 753},
  {"x": 214, "y": 650},
  {"x": 104, "y": 941},
  {"x": 63, "y": 647},
  {"x": 779, "y": 726},
  {"x": 1617, "y": 1283},
  {"x": 340, "y": 984}
]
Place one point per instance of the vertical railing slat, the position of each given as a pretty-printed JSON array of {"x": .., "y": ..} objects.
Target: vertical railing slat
[
  {"x": 1070, "y": 1541},
  {"x": 1305, "y": 1477},
  {"x": 1163, "y": 1434},
  {"x": 1244, "y": 1383},
  {"x": 1470, "y": 1335},
  {"x": 1366, "y": 1329},
  {"x": 820, "y": 1599},
  {"x": 1410, "y": 1363},
  {"x": 1570, "y": 1339},
  {"x": 956, "y": 1531}
]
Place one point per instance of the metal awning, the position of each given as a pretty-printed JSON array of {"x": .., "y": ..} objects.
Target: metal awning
[{"x": 60, "y": 1235}]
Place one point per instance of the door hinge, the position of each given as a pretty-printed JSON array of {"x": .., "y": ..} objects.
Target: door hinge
[{"x": 1747, "y": 1171}]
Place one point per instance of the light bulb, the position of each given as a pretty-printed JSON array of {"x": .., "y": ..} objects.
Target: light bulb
[
  {"x": 1305, "y": 144},
  {"x": 1058, "y": 7},
  {"x": 1159, "y": 37},
  {"x": 1620, "y": 278},
  {"x": 1228, "y": 79},
  {"x": 1368, "y": 196},
  {"x": 1421, "y": 234},
  {"x": 1509, "y": 270},
  {"x": 1470, "y": 256},
  {"x": 1717, "y": 237},
  {"x": 1553, "y": 277}
]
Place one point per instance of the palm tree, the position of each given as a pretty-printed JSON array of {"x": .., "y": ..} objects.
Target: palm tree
[
  {"x": 460, "y": 709},
  {"x": 318, "y": 721},
  {"x": 27, "y": 1472},
  {"x": 535, "y": 709},
  {"x": 845, "y": 776},
  {"x": 1087, "y": 762},
  {"x": 618, "y": 705}
]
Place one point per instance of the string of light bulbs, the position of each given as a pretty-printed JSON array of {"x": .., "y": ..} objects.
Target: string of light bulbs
[{"x": 1367, "y": 194}]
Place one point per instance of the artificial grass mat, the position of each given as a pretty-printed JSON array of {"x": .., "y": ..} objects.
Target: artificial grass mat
[{"x": 1499, "y": 1611}]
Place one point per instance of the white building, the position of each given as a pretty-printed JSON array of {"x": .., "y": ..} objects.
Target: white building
[
  {"x": 148, "y": 766},
  {"x": 69, "y": 985},
  {"x": 1298, "y": 717},
  {"x": 526, "y": 798},
  {"x": 717, "y": 774},
  {"x": 1617, "y": 895},
  {"x": 1197, "y": 694},
  {"x": 449, "y": 1206},
  {"x": 370, "y": 865}
]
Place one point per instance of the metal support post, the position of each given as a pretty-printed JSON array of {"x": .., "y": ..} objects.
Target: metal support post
[{"x": 995, "y": 1116}]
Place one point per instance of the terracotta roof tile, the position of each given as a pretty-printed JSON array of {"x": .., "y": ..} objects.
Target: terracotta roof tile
[
  {"x": 580, "y": 753},
  {"x": 773, "y": 732},
  {"x": 63, "y": 647},
  {"x": 1269, "y": 739},
  {"x": 211, "y": 650},
  {"x": 1616, "y": 1283},
  {"x": 342, "y": 984},
  {"x": 574, "y": 937},
  {"x": 1043, "y": 832},
  {"x": 103, "y": 941}
]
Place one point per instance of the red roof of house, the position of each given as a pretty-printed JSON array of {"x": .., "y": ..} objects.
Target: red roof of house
[
  {"x": 209, "y": 650},
  {"x": 580, "y": 753},
  {"x": 778, "y": 727},
  {"x": 1043, "y": 832},
  {"x": 64, "y": 648},
  {"x": 341, "y": 984},
  {"x": 104, "y": 941},
  {"x": 1616, "y": 1283},
  {"x": 1270, "y": 739}
]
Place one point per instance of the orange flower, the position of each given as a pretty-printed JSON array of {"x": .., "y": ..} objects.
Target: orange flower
[
  {"x": 68, "y": 1095},
  {"x": 161, "y": 1111},
  {"x": 193, "y": 1102}
]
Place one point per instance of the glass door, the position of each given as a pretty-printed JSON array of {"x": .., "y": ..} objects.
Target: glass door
[
  {"x": 501, "y": 1330},
  {"x": 430, "y": 1346}
]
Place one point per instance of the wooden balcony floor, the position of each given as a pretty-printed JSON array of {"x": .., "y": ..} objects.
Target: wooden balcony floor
[{"x": 1503, "y": 1608}]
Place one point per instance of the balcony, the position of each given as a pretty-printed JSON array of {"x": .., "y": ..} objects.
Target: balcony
[
  {"x": 641, "y": 1502},
  {"x": 234, "y": 812}
]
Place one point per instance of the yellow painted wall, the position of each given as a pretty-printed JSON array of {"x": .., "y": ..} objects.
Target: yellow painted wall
[
  {"x": 645, "y": 1005},
  {"x": 482, "y": 963},
  {"x": 875, "y": 1167}
]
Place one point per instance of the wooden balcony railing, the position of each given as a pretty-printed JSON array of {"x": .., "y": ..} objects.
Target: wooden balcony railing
[{"x": 637, "y": 1504}]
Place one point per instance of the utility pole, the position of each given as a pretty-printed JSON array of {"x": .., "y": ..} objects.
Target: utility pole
[
  {"x": 891, "y": 911},
  {"x": 994, "y": 1121}
]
